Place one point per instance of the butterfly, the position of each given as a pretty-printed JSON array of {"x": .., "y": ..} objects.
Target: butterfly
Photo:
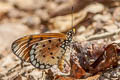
[{"x": 42, "y": 50}]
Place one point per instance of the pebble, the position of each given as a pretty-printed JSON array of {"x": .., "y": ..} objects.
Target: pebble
[{"x": 111, "y": 74}]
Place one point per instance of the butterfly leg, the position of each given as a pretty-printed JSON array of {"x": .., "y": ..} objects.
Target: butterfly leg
[{"x": 61, "y": 64}]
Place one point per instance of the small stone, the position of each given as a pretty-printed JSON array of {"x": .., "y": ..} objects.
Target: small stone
[
  {"x": 106, "y": 79},
  {"x": 114, "y": 79},
  {"x": 95, "y": 8},
  {"x": 113, "y": 75},
  {"x": 101, "y": 78},
  {"x": 107, "y": 75},
  {"x": 118, "y": 73}
]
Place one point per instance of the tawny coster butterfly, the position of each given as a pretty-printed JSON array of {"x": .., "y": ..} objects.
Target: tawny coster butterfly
[{"x": 43, "y": 50}]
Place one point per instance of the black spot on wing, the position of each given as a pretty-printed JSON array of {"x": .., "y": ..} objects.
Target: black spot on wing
[
  {"x": 51, "y": 53},
  {"x": 49, "y": 41},
  {"x": 44, "y": 56},
  {"x": 49, "y": 48},
  {"x": 58, "y": 57},
  {"x": 43, "y": 45},
  {"x": 59, "y": 40},
  {"x": 53, "y": 57},
  {"x": 57, "y": 45}
]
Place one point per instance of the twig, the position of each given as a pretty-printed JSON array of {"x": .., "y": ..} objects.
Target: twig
[
  {"x": 103, "y": 35},
  {"x": 17, "y": 70}
]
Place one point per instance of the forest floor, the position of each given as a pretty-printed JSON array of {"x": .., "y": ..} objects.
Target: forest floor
[{"x": 97, "y": 20}]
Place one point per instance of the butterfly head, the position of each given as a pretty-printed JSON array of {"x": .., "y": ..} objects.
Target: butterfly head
[
  {"x": 70, "y": 34},
  {"x": 69, "y": 39}
]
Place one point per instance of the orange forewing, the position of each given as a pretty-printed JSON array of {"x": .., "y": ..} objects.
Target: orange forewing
[{"x": 22, "y": 46}]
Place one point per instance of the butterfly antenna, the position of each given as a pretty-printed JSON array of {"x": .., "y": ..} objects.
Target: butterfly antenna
[
  {"x": 72, "y": 15},
  {"x": 72, "y": 20}
]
